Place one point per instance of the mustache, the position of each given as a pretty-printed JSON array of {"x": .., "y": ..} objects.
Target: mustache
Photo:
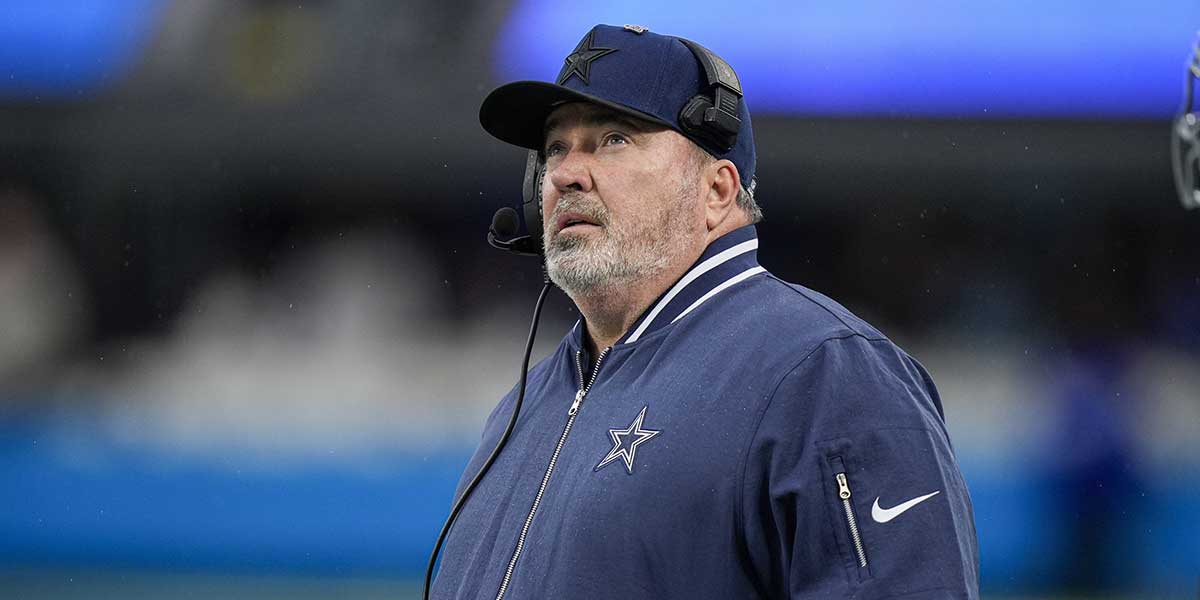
[{"x": 577, "y": 203}]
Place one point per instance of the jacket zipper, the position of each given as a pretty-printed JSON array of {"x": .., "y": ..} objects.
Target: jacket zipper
[
  {"x": 571, "y": 412},
  {"x": 855, "y": 536}
]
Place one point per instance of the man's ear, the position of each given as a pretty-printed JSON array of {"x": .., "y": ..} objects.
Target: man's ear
[{"x": 720, "y": 200}]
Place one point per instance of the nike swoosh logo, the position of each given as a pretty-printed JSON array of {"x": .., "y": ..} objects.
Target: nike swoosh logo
[{"x": 883, "y": 515}]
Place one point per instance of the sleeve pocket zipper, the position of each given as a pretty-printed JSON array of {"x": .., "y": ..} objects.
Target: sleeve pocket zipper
[{"x": 843, "y": 486}]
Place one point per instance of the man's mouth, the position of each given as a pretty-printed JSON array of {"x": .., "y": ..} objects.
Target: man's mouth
[{"x": 574, "y": 221}]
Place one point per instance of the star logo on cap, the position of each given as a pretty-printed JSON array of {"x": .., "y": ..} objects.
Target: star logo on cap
[
  {"x": 579, "y": 62},
  {"x": 626, "y": 442}
]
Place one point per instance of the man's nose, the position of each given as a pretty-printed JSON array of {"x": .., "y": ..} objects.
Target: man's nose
[{"x": 572, "y": 172}]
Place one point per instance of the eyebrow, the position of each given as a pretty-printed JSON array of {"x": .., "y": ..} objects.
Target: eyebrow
[{"x": 595, "y": 119}]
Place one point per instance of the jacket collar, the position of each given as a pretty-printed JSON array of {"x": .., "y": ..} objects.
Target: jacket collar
[{"x": 728, "y": 260}]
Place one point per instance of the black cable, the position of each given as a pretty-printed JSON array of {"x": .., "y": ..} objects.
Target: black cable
[{"x": 512, "y": 422}]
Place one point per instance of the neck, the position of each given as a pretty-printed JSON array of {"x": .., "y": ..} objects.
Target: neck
[{"x": 611, "y": 313}]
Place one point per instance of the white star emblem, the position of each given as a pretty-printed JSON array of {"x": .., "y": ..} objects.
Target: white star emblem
[{"x": 626, "y": 441}]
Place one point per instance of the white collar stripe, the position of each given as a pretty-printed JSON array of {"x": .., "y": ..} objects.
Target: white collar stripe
[
  {"x": 748, "y": 273},
  {"x": 700, "y": 269}
]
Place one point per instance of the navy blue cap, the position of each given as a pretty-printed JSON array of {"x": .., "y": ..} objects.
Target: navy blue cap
[{"x": 628, "y": 69}]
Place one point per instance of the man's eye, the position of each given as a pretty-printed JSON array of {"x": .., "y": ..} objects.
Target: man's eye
[
  {"x": 615, "y": 138},
  {"x": 553, "y": 149}
]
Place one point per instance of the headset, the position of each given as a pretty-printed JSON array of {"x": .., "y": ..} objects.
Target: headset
[
  {"x": 502, "y": 235},
  {"x": 712, "y": 119},
  {"x": 1185, "y": 139},
  {"x": 709, "y": 118}
]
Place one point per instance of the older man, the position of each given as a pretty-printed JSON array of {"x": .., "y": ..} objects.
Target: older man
[{"x": 706, "y": 430}]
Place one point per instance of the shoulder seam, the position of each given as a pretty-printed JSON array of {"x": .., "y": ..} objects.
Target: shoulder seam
[{"x": 839, "y": 318}]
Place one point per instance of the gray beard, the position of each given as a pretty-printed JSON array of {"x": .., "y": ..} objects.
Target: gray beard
[{"x": 617, "y": 260}]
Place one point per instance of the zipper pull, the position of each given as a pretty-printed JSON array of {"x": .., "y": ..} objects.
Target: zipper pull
[
  {"x": 575, "y": 405},
  {"x": 843, "y": 487}
]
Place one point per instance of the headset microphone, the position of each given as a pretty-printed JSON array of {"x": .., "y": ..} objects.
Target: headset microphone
[
  {"x": 504, "y": 223},
  {"x": 502, "y": 235}
]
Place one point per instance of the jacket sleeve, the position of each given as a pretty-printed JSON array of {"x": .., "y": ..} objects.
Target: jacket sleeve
[{"x": 850, "y": 485}]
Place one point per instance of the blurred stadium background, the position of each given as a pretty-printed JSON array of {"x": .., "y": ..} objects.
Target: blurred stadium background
[{"x": 250, "y": 329}]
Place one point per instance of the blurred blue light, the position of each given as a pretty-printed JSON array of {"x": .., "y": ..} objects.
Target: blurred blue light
[
  {"x": 74, "y": 497},
  {"x": 942, "y": 58},
  {"x": 64, "y": 48}
]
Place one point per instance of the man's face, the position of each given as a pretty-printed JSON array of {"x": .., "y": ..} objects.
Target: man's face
[{"x": 621, "y": 199}]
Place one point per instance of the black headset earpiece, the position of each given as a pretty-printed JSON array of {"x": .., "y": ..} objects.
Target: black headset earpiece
[
  {"x": 713, "y": 118},
  {"x": 531, "y": 197},
  {"x": 502, "y": 235}
]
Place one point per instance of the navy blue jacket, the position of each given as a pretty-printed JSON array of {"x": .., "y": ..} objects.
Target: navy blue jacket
[{"x": 747, "y": 438}]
